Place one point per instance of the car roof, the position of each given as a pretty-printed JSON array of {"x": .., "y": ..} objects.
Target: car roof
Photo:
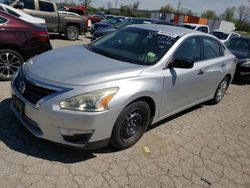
[
  {"x": 224, "y": 31},
  {"x": 192, "y": 24},
  {"x": 179, "y": 31}
]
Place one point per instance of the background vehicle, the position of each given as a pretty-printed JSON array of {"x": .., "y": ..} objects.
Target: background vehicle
[
  {"x": 81, "y": 10},
  {"x": 129, "y": 21},
  {"x": 70, "y": 25},
  {"x": 197, "y": 27},
  {"x": 130, "y": 78},
  {"x": 224, "y": 36},
  {"x": 107, "y": 23},
  {"x": 19, "y": 41},
  {"x": 21, "y": 15},
  {"x": 240, "y": 47}
]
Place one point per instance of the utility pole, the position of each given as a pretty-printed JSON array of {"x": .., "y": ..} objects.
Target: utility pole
[
  {"x": 116, "y": 3},
  {"x": 179, "y": 6}
]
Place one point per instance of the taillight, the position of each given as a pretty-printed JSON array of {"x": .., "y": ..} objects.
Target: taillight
[
  {"x": 41, "y": 35},
  {"x": 89, "y": 23}
]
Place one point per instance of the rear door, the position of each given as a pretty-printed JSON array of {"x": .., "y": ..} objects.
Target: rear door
[{"x": 47, "y": 11}]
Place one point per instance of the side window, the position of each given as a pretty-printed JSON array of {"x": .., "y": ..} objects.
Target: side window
[
  {"x": 1, "y": 8},
  {"x": 2, "y": 20},
  {"x": 189, "y": 49},
  {"x": 211, "y": 49},
  {"x": 233, "y": 36},
  {"x": 29, "y": 4},
  {"x": 46, "y": 6},
  {"x": 12, "y": 13}
]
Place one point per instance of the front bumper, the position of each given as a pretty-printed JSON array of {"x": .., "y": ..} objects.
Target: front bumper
[{"x": 73, "y": 128}]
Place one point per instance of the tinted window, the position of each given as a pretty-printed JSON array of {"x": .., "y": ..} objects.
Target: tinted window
[
  {"x": 1, "y": 8},
  {"x": 29, "y": 4},
  {"x": 46, "y": 6},
  {"x": 239, "y": 44},
  {"x": 190, "y": 49},
  {"x": 233, "y": 36},
  {"x": 12, "y": 13},
  {"x": 188, "y": 26},
  {"x": 2, "y": 20},
  {"x": 139, "y": 46},
  {"x": 202, "y": 29},
  {"x": 211, "y": 48},
  {"x": 220, "y": 35}
]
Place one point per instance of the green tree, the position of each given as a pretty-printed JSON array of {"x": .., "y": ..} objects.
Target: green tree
[
  {"x": 229, "y": 14},
  {"x": 209, "y": 14}
]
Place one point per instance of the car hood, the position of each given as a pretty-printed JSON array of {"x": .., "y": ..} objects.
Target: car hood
[
  {"x": 76, "y": 65},
  {"x": 241, "y": 55}
]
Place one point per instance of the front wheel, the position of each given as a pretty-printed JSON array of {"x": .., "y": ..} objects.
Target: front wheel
[
  {"x": 72, "y": 33},
  {"x": 131, "y": 125},
  {"x": 221, "y": 90},
  {"x": 10, "y": 61}
]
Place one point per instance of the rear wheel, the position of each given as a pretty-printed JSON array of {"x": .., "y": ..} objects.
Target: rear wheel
[
  {"x": 131, "y": 125},
  {"x": 72, "y": 33},
  {"x": 221, "y": 90},
  {"x": 10, "y": 61}
]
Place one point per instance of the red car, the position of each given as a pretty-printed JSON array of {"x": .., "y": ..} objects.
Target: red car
[
  {"x": 19, "y": 41},
  {"x": 81, "y": 10}
]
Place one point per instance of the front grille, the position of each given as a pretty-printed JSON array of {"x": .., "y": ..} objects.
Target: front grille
[{"x": 32, "y": 92}]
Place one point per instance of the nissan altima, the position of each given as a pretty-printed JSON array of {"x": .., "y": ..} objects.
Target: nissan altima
[{"x": 111, "y": 90}]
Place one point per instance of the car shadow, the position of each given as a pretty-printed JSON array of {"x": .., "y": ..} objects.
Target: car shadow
[
  {"x": 241, "y": 82},
  {"x": 18, "y": 138},
  {"x": 59, "y": 37}
]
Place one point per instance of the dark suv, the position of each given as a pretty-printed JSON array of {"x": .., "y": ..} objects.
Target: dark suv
[{"x": 19, "y": 41}]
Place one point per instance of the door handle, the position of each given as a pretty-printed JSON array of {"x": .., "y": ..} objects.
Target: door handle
[
  {"x": 223, "y": 65},
  {"x": 201, "y": 72}
]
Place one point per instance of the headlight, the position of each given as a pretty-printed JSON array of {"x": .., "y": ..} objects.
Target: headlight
[
  {"x": 245, "y": 64},
  {"x": 95, "y": 101}
]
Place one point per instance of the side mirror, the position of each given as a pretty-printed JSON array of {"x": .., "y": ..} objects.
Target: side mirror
[
  {"x": 181, "y": 63},
  {"x": 19, "y": 5}
]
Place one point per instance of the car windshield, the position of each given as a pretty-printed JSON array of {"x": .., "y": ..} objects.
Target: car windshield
[
  {"x": 239, "y": 44},
  {"x": 189, "y": 26},
  {"x": 133, "y": 45},
  {"x": 7, "y": 2},
  {"x": 220, "y": 35},
  {"x": 131, "y": 22}
]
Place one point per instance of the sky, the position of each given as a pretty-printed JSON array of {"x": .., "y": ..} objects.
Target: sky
[{"x": 197, "y": 6}]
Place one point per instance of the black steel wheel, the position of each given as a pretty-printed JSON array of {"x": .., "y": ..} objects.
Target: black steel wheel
[
  {"x": 131, "y": 125},
  {"x": 72, "y": 33},
  {"x": 10, "y": 62}
]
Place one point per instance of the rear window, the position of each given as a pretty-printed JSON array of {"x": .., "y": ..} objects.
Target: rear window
[
  {"x": 12, "y": 13},
  {"x": 220, "y": 35},
  {"x": 189, "y": 26},
  {"x": 46, "y": 6}
]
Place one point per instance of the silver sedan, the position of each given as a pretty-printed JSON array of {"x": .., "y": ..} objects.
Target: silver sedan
[{"x": 111, "y": 90}]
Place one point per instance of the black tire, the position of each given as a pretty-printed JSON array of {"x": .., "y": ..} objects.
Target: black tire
[
  {"x": 130, "y": 125},
  {"x": 72, "y": 33},
  {"x": 220, "y": 91},
  {"x": 10, "y": 61}
]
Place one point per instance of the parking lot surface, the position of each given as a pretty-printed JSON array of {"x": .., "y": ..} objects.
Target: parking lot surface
[{"x": 205, "y": 146}]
